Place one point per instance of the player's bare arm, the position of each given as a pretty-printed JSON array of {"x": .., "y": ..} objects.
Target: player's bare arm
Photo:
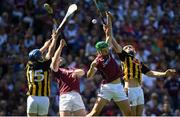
[
  {"x": 109, "y": 34},
  {"x": 56, "y": 58},
  {"x": 157, "y": 74},
  {"x": 45, "y": 46},
  {"x": 78, "y": 73},
  {"x": 52, "y": 46},
  {"x": 91, "y": 72}
]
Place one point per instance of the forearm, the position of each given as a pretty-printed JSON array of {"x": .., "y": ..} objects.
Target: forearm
[
  {"x": 55, "y": 61},
  {"x": 51, "y": 49},
  {"x": 45, "y": 46},
  {"x": 90, "y": 72},
  {"x": 116, "y": 46},
  {"x": 58, "y": 52},
  {"x": 156, "y": 74},
  {"x": 109, "y": 34}
]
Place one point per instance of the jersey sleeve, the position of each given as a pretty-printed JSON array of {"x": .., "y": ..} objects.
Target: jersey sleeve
[
  {"x": 144, "y": 68},
  {"x": 123, "y": 55}
]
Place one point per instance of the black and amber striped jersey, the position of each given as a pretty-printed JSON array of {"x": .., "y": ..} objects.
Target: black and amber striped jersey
[
  {"x": 132, "y": 67},
  {"x": 38, "y": 78}
]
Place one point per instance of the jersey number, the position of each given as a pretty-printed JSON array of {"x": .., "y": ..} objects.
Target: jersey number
[{"x": 38, "y": 75}]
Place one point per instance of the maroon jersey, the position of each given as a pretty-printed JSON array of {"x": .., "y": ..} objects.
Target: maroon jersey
[
  {"x": 108, "y": 68},
  {"x": 65, "y": 80}
]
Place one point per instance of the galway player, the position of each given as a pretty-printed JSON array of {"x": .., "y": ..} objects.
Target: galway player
[
  {"x": 111, "y": 87},
  {"x": 68, "y": 79},
  {"x": 37, "y": 73}
]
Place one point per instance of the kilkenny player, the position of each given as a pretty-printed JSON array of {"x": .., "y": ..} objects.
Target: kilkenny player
[
  {"x": 70, "y": 101},
  {"x": 38, "y": 68},
  {"x": 133, "y": 70}
]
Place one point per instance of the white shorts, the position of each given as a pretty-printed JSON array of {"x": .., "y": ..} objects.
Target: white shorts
[
  {"x": 38, "y": 104},
  {"x": 71, "y": 101},
  {"x": 112, "y": 91},
  {"x": 136, "y": 96}
]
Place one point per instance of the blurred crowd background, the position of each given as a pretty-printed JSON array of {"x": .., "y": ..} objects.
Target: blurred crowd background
[{"x": 152, "y": 26}]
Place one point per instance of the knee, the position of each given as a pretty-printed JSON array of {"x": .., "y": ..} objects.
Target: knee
[
  {"x": 83, "y": 113},
  {"x": 128, "y": 112}
]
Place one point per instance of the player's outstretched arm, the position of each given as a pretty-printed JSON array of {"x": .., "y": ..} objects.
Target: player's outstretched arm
[
  {"x": 52, "y": 46},
  {"x": 56, "y": 58},
  {"x": 157, "y": 74},
  {"x": 109, "y": 34},
  {"x": 92, "y": 70},
  {"x": 45, "y": 46}
]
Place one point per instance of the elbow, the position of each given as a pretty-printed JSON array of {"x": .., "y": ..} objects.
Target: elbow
[
  {"x": 54, "y": 67},
  {"x": 89, "y": 75},
  {"x": 48, "y": 56},
  {"x": 150, "y": 74},
  {"x": 79, "y": 72},
  {"x": 117, "y": 50},
  {"x": 82, "y": 73}
]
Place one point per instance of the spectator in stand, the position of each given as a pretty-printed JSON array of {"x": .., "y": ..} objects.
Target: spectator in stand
[
  {"x": 167, "y": 110},
  {"x": 172, "y": 86}
]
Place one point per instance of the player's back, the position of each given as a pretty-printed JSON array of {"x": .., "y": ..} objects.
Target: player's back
[
  {"x": 38, "y": 78},
  {"x": 65, "y": 80}
]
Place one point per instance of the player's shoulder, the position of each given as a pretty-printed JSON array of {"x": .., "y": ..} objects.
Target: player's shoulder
[
  {"x": 62, "y": 69},
  {"x": 65, "y": 70}
]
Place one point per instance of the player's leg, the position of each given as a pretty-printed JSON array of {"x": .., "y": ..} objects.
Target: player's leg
[
  {"x": 133, "y": 110},
  {"x": 81, "y": 112},
  {"x": 98, "y": 106},
  {"x": 65, "y": 105},
  {"x": 78, "y": 107},
  {"x": 65, "y": 113},
  {"x": 140, "y": 102},
  {"x": 31, "y": 114},
  {"x": 31, "y": 106},
  {"x": 124, "y": 106},
  {"x": 132, "y": 97},
  {"x": 121, "y": 99},
  {"x": 104, "y": 96},
  {"x": 139, "y": 110},
  {"x": 43, "y": 105}
]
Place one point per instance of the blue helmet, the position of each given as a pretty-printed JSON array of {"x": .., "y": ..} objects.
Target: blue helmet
[{"x": 35, "y": 55}]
